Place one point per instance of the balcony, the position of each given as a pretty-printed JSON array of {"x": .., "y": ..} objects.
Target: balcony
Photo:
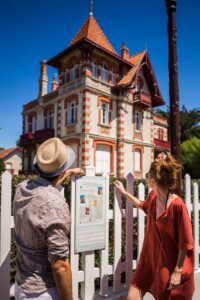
[
  {"x": 142, "y": 98},
  {"x": 165, "y": 145},
  {"x": 43, "y": 135},
  {"x": 26, "y": 139}
]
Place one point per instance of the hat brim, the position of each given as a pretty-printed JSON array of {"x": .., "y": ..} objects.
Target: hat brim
[{"x": 67, "y": 164}]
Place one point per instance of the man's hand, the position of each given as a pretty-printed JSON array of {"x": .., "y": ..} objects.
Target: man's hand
[
  {"x": 119, "y": 186},
  {"x": 77, "y": 171}
]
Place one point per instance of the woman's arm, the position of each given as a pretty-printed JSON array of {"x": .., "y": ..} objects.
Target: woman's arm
[
  {"x": 130, "y": 197},
  {"x": 175, "y": 278}
]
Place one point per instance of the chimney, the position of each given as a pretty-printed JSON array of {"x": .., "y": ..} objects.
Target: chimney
[
  {"x": 124, "y": 51},
  {"x": 43, "y": 81},
  {"x": 54, "y": 83}
]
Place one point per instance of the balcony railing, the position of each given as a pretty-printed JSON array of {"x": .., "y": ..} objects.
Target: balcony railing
[
  {"x": 162, "y": 144},
  {"x": 26, "y": 139},
  {"x": 43, "y": 134},
  {"x": 142, "y": 98},
  {"x": 38, "y": 137}
]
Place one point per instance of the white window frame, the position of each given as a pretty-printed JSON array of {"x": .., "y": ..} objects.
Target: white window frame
[
  {"x": 137, "y": 160},
  {"x": 50, "y": 119},
  {"x": 72, "y": 113},
  {"x": 104, "y": 113},
  {"x": 72, "y": 72},
  {"x": 114, "y": 78},
  {"x": 104, "y": 72},
  {"x": 94, "y": 69},
  {"x": 138, "y": 121},
  {"x": 34, "y": 124}
]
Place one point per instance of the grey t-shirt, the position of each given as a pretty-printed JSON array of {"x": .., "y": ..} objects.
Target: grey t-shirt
[{"x": 42, "y": 224}]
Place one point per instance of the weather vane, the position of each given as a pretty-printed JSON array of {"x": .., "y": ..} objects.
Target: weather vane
[{"x": 91, "y": 7}]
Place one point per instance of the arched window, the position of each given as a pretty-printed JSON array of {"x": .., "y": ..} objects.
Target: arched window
[
  {"x": 94, "y": 69},
  {"x": 138, "y": 159},
  {"x": 138, "y": 121},
  {"x": 104, "y": 72},
  {"x": 72, "y": 72},
  {"x": 139, "y": 84}
]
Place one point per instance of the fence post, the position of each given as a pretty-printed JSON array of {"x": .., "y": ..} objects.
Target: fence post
[
  {"x": 141, "y": 218},
  {"x": 129, "y": 231},
  {"x": 196, "y": 224},
  {"x": 5, "y": 235}
]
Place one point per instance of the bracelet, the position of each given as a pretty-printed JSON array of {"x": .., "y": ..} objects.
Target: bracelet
[{"x": 178, "y": 270}]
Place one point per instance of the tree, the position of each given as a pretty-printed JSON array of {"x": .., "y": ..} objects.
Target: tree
[
  {"x": 2, "y": 166},
  {"x": 190, "y": 155},
  {"x": 189, "y": 122}
]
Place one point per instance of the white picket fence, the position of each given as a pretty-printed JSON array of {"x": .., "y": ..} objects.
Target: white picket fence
[{"x": 83, "y": 268}]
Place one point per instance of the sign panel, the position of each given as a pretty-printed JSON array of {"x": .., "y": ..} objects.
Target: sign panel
[{"x": 90, "y": 214}]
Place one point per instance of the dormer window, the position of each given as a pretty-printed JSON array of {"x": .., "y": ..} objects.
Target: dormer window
[
  {"x": 72, "y": 72},
  {"x": 139, "y": 84},
  {"x": 94, "y": 69},
  {"x": 104, "y": 72}
]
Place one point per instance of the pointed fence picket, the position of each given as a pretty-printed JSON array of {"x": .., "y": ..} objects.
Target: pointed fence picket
[{"x": 83, "y": 265}]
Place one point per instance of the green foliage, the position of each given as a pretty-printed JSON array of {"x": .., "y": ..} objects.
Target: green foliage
[
  {"x": 190, "y": 154},
  {"x": 190, "y": 123},
  {"x": 2, "y": 166}
]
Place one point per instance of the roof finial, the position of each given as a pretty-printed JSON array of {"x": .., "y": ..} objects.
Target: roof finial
[{"x": 91, "y": 8}]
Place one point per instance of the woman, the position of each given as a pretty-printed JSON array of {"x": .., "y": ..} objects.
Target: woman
[{"x": 166, "y": 263}]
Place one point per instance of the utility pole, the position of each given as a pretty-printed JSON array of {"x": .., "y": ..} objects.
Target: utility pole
[{"x": 173, "y": 80}]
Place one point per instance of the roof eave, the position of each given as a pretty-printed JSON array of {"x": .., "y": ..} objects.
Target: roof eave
[{"x": 54, "y": 61}]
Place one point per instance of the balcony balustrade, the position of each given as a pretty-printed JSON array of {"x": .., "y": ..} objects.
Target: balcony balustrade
[
  {"x": 162, "y": 144},
  {"x": 142, "y": 98}
]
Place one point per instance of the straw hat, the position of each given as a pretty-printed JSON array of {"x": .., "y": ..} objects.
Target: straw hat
[{"x": 53, "y": 157}]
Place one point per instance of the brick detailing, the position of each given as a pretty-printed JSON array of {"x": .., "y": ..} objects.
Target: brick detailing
[
  {"x": 59, "y": 119},
  {"x": 85, "y": 147},
  {"x": 120, "y": 137}
]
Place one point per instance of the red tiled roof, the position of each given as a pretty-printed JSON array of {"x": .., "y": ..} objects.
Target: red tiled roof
[
  {"x": 5, "y": 152},
  {"x": 135, "y": 60},
  {"x": 93, "y": 32}
]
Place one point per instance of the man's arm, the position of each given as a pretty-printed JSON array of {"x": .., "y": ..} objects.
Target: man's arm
[{"x": 63, "y": 278}]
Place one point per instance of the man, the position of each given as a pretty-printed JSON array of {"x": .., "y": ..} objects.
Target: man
[{"x": 42, "y": 224}]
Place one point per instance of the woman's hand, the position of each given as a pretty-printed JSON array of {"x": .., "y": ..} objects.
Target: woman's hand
[
  {"x": 77, "y": 171},
  {"x": 175, "y": 279},
  {"x": 119, "y": 186}
]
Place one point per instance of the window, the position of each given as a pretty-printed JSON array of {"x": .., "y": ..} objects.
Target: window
[
  {"x": 113, "y": 78},
  {"x": 104, "y": 72},
  {"x": 104, "y": 113},
  {"x": 71, "y": 113},
  {"x": 139, "y": 84},
  {"x": 94, "y": 69},
  {"x": 137, "y": 162},
  {"x": 72, "y": 72},
  {"x": 138, "y": 121},
  {"x": 34, "y": 124},
  {"x": 161, "y": 134},
  {"x": 103, "y": 159},
  {"x": 50, "y": 119}
]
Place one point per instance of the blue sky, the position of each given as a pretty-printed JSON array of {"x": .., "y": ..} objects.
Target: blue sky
[{"x": 34, "y": 30}]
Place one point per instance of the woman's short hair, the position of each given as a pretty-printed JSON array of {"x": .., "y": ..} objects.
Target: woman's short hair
[{"x": 165, "y": 172}]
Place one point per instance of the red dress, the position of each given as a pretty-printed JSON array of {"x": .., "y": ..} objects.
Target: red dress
[{"x": 163, "y": 239}]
